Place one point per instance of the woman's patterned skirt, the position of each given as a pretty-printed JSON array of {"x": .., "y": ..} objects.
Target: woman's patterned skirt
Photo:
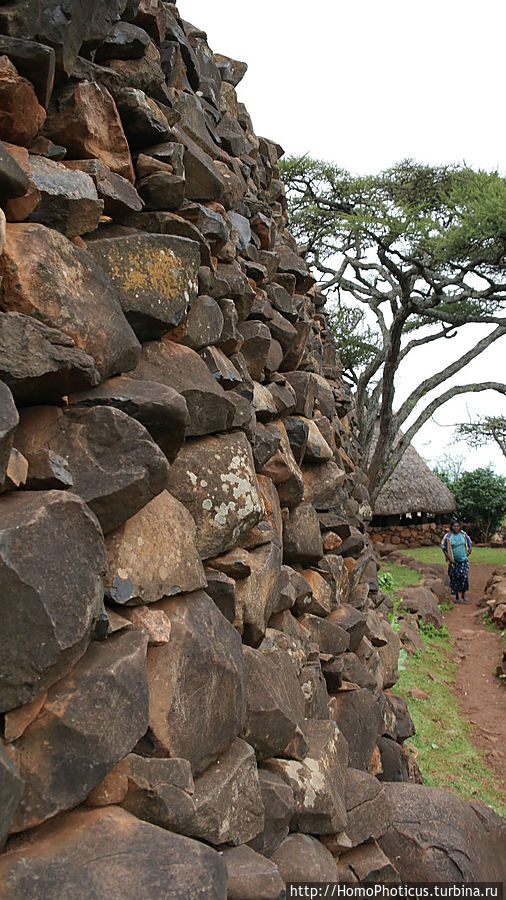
[{"x": 459, "y": 577}]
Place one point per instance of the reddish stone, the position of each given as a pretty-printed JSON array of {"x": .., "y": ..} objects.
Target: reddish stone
[{"x": 21, "y": 115}]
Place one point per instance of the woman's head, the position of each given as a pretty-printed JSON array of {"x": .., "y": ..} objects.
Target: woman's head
[{"x": 456, "y": 526}]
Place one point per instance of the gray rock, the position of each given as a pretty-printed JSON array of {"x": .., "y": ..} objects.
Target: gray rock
[
  {"x": 122, "y": 857},
  {"x": 118, "y": 195},
  {"x": 277, "y": 798},
  {"x": 274, "y": 703},
  {"x": 156, "y": 277},
  {"x": 13, "y": 180},
  {"x": 161, "y": 409},
  {"x": 52, "y": 558},
  {"x": 250, "y": 875},
  {"x": 228, "y": 799},
  {"x": 11, "y": 791},
  {"x": 359, "y": 718},
  {"x": 116, "y": 467},
  {"x": 91, "y": 719},
  {"x": 9, "y": 420},
  {"x": 302, "y": 541},
  {"x": 68, "y": 201},
  {"x": 124, "y": 41},
  {"x": 41, "y": 364},
  {"x": 300, "y": 854},
  {"x": 182, "y": 369},
  {"x": 160, "y": 791},
  {"x": 204, "y": 324},
  {"x": 196, "y": 682}
]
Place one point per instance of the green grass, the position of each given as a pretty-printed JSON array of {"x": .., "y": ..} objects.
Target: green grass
[
  {"x": 401, "y": 577},
  {"x": 486, "y": 555},
  {"x": 446, "y": 756}
]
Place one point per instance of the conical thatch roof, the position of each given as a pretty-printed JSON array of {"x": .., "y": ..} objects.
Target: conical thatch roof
[{"x": 413, "y": 488}]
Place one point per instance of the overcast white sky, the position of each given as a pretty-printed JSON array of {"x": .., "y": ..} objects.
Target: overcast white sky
[{"x": 366, "y": 84}]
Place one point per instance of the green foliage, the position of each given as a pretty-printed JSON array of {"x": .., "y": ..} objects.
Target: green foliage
[
  {"x": 386, "y": 581},
  {"x": 481, "y": 499},
  {"x": 357, "y": 343},
  {"x": 449, "y": 468}
]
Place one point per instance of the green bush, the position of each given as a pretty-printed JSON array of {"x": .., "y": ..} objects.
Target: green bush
[{"x": 481, "y": 499}]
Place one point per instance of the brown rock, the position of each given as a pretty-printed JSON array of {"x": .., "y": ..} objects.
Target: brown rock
[
  {"x": 329, "y": 636},
  {"x": 300, "y": 854},
  {"x": 122, "y": 857},
  {"x": 274, "y": 703},
  {"x": 318, "y": 780},
  {"x": 46, "y": 276},
  {"x": 153, "y": 554},
  {"x": 224, "y": 506},
  {"x": 322, "y": 599},
  {"x": 115, "y": 466},
  {"x": 251, "y": 876},
  {"x": 54, "y": 529},
  {"x": 353, "y": 621},
  {"x": 21, "y": 116},
  {"x": 90, "y": 720},
  {"x": 435, "y": 836},
  {"x": 322, "y": 484},
  {"x": 111, "y": 790},
  {"x": 302, "y": 538},
  {"x": 277, "y": 798},
  {"x": 366, "y": 806},
  {"x": 284, "y": 471},
  {"x": 366, "y": 864},
  {"x": 423, "y": 603},
  {"x": 228, "y": 799},
  {"x": 183, "y": 370},
  {"x": 159, "y": 791},
  {"x": 86, "y": 121},
  {"x": 258, "y": 595},
  {"x": 203, "y": 661}
]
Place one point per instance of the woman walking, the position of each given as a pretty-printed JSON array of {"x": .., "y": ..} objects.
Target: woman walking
[{"x": 456, "y": 546}]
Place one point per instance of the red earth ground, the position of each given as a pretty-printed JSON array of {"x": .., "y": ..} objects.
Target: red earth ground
[{"x": 481, "y": 695}]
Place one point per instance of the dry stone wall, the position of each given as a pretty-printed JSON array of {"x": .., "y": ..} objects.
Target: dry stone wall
[{"x": 196, "y": 663}]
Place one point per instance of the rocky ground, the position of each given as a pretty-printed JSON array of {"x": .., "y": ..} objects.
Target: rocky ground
[{"x": 197, "y": 662}]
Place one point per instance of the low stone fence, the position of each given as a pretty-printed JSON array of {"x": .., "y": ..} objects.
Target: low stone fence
[{"x": 407, "y": 535}]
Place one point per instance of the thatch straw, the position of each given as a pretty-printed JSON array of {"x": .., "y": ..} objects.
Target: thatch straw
[{"x": 413, "y": 488}]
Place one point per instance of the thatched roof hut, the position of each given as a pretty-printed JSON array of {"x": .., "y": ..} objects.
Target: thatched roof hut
[{"x": 413, "y": 488}]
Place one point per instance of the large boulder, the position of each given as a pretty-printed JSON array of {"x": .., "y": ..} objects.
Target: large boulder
[
  {"x": 92, "y": 853},
  {"x": 329, "y": 636},
  {"x": 154, "y": 554},
  {"x": 48, "y": 277},
  {"x": 196, "y": 683},
  {"x": 277, "y": 798},
  {"x": 182, "y": 369},
  {"x": 52, "y": 560},
  {"x": 21, "y": 115},
  {"x": 90, "y": 719},
  {"x": 274, "y": 703},
  {"x": 229, "y": 806},
  {"x": 215, "y": 479},
  {"x": 115, "y": 465},
  {"x": 9, "y": 420},
  {"x": 41, "y": 364},
  {"x": 11, "y": 790},
  {"x": 366, "y": 864},
  {"x": 300, "y": 857},
  {"x": 318, "y": 781},
  {"x": 358, "y": 715},
  {"x": 436, "y": 836},
  {"x": 251, "y": 876},
  {"x": 159, "y": 408},
  {"x": 155, "y": 275}
]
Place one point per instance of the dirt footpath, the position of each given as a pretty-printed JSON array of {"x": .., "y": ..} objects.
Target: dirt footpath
[{"x": 481, "y": 695}]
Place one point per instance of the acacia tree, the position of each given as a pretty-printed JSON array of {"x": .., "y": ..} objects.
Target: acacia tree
[
  {"x": 485, "y": 430},
  {"x": 420, "y": 252}
]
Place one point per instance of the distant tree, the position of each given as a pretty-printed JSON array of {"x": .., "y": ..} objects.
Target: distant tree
[
  {"x": 481, "y": 499},
  {"x": 485, "y": 430},
  {"x": 449, "y": 468},
  {"x": 420, "y": 250}
]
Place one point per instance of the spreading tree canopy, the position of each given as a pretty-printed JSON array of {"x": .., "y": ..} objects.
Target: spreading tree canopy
[{"x": 411, "y": 256}]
